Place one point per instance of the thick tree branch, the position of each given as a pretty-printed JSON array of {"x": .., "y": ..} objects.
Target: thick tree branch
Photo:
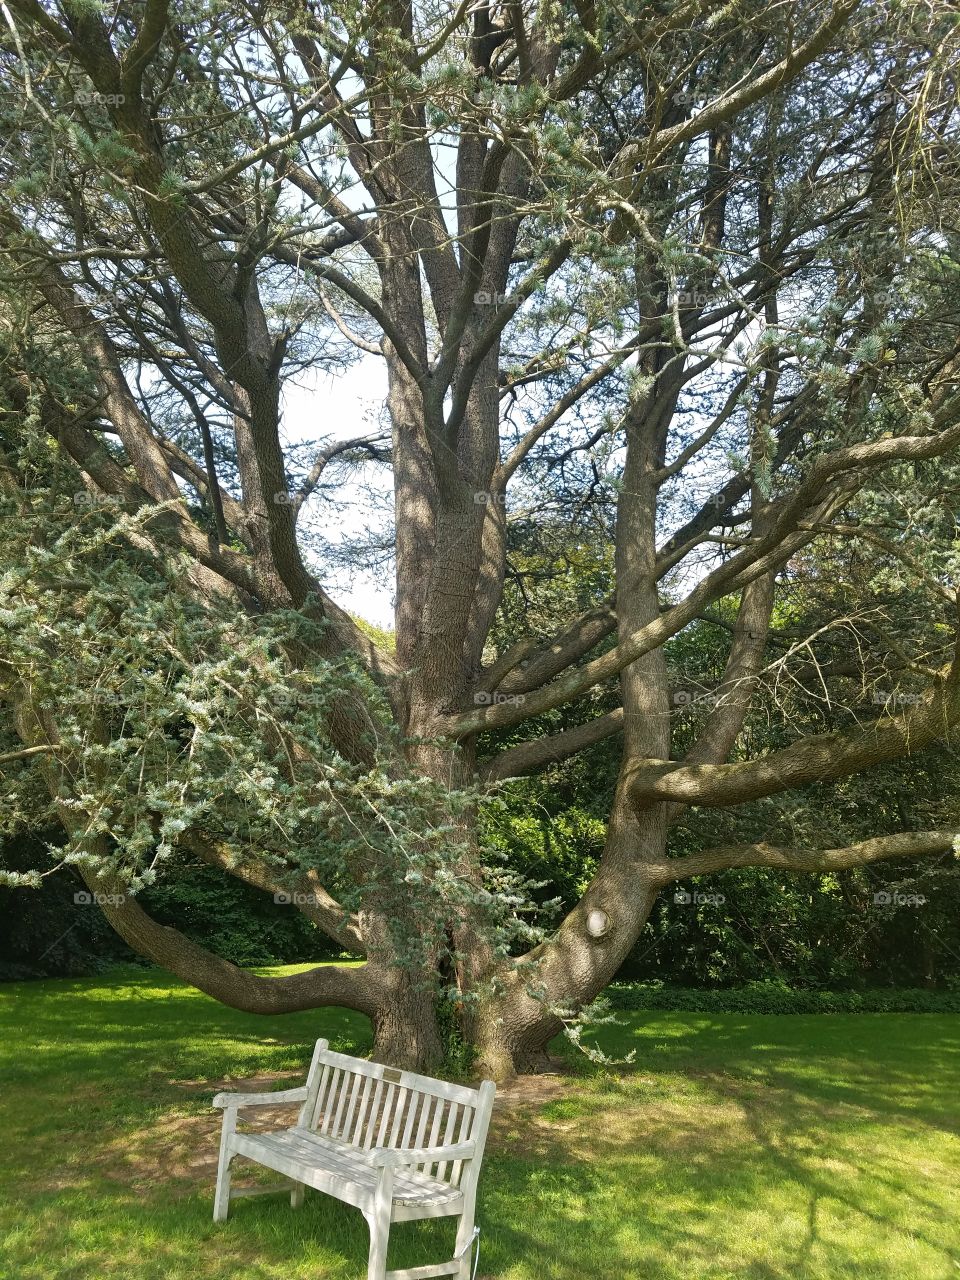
[
  {"x": 528, "y": 757},
  {"x": 238, "y": 988},
  {"x": 548, "y": 660},
  {"x": 735, "y": 692},
  {"x": 766, "y": 554},
  {"x": 8, "y": 757},
  {"x": 144, "y": 47},
  {"x": 819, "y": 758},
  {"x": 312, "y": 898},
  {"x": 736, "y": 100},
  {"x": 908, "y": 844}
]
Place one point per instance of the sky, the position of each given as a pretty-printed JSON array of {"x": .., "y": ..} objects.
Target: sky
[{"x": 321, "y": 406}]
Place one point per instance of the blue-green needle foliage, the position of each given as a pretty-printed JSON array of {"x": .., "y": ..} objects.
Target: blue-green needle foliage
[{"x": 170, "y": 716}]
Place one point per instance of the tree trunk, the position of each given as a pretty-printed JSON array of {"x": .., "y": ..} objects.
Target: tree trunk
[
  {"x": 405, "y": 1028},
  {"x": 511, "y": 1030}
]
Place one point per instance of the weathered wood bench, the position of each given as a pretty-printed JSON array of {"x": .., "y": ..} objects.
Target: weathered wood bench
[{"x": 397, "y": 1145}]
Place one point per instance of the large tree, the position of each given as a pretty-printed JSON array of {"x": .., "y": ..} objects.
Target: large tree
[{"x": 678, "y": 275}]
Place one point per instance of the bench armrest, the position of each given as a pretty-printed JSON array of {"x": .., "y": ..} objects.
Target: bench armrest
[
  {"x": 381, "y": 1156},
  {"x": 260, "y": 1099}
]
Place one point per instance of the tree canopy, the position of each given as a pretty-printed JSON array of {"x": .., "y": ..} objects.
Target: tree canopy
[{"x": 666, "y": 294}]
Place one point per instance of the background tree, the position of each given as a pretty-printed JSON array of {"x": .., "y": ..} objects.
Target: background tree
[{"x": 680, "y": 276}]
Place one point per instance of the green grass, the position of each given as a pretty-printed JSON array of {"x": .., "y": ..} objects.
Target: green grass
[{"x": 763, "y": 1147}]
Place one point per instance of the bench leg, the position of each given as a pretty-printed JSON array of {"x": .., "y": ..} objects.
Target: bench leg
[
  {"x": 378, "y": 1220},
  {"x": 297, "y": 1195},
  {"x": 221, "y": 1200},
  {"x": 462, "y": 1249}
]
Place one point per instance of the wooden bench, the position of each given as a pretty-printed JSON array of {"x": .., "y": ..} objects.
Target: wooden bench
[{"x": 397, "y": 1145}]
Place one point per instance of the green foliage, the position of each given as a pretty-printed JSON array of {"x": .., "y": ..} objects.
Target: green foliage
[
  {"x": 555, "y": 847},
  {"x": 769, "y": 997},
  {"x": 458, "y": 1054},
  {"x": 51, "y": 934},
  {"x": 233, "y": 920},
  {"x": 171, "y": 714},
  {"x": 48, "y": 934}
]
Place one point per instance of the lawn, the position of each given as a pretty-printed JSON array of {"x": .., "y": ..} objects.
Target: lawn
[{"x": 757, "y": 1147}]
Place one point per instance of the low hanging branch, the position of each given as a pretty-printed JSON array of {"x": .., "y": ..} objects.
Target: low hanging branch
[{"x": 238, "y": 988}]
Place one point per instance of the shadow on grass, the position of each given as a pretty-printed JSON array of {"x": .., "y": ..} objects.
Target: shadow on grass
[
  {"x": 147, "y": 1020},
  {"x": 894, "y": 1065}
]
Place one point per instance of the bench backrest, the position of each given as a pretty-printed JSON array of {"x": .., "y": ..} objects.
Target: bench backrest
[{"x": 367, "y": 1104}]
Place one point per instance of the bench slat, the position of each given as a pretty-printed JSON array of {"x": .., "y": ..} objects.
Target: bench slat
[
  {"x": 373, "y": 1119},
  {"x": 426, "y": 1102},
  {"x": 318, "y": 1079},
  {"x": 357, "y": 1085},
  {"x": 452, "y": 1109},
  {"x": 358, "y": 1127},
  {"x": 346, "y": 1081},
  {"x": 400, "y": 1101},
  {"x": 413, "y": 1101},
  {"x": 329, "y": 1103},
  {"x": 466, "y": 1128},
  {"x": 433, "y": 1139},
  {"x": 389, "y": 1110}
]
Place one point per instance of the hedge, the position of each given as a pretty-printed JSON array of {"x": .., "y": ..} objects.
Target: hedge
[{"x": 772, "y": 997}]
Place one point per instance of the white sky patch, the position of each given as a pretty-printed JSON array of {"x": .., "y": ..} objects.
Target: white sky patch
[{"x": 323, "y": 407}]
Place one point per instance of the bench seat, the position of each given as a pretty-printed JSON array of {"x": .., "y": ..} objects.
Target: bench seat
[{"x": 340, "y": 1168}]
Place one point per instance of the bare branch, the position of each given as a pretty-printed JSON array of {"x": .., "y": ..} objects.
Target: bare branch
[
  {"x": 24, "y": 753},
  {"x": 326, "y": 455}
]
